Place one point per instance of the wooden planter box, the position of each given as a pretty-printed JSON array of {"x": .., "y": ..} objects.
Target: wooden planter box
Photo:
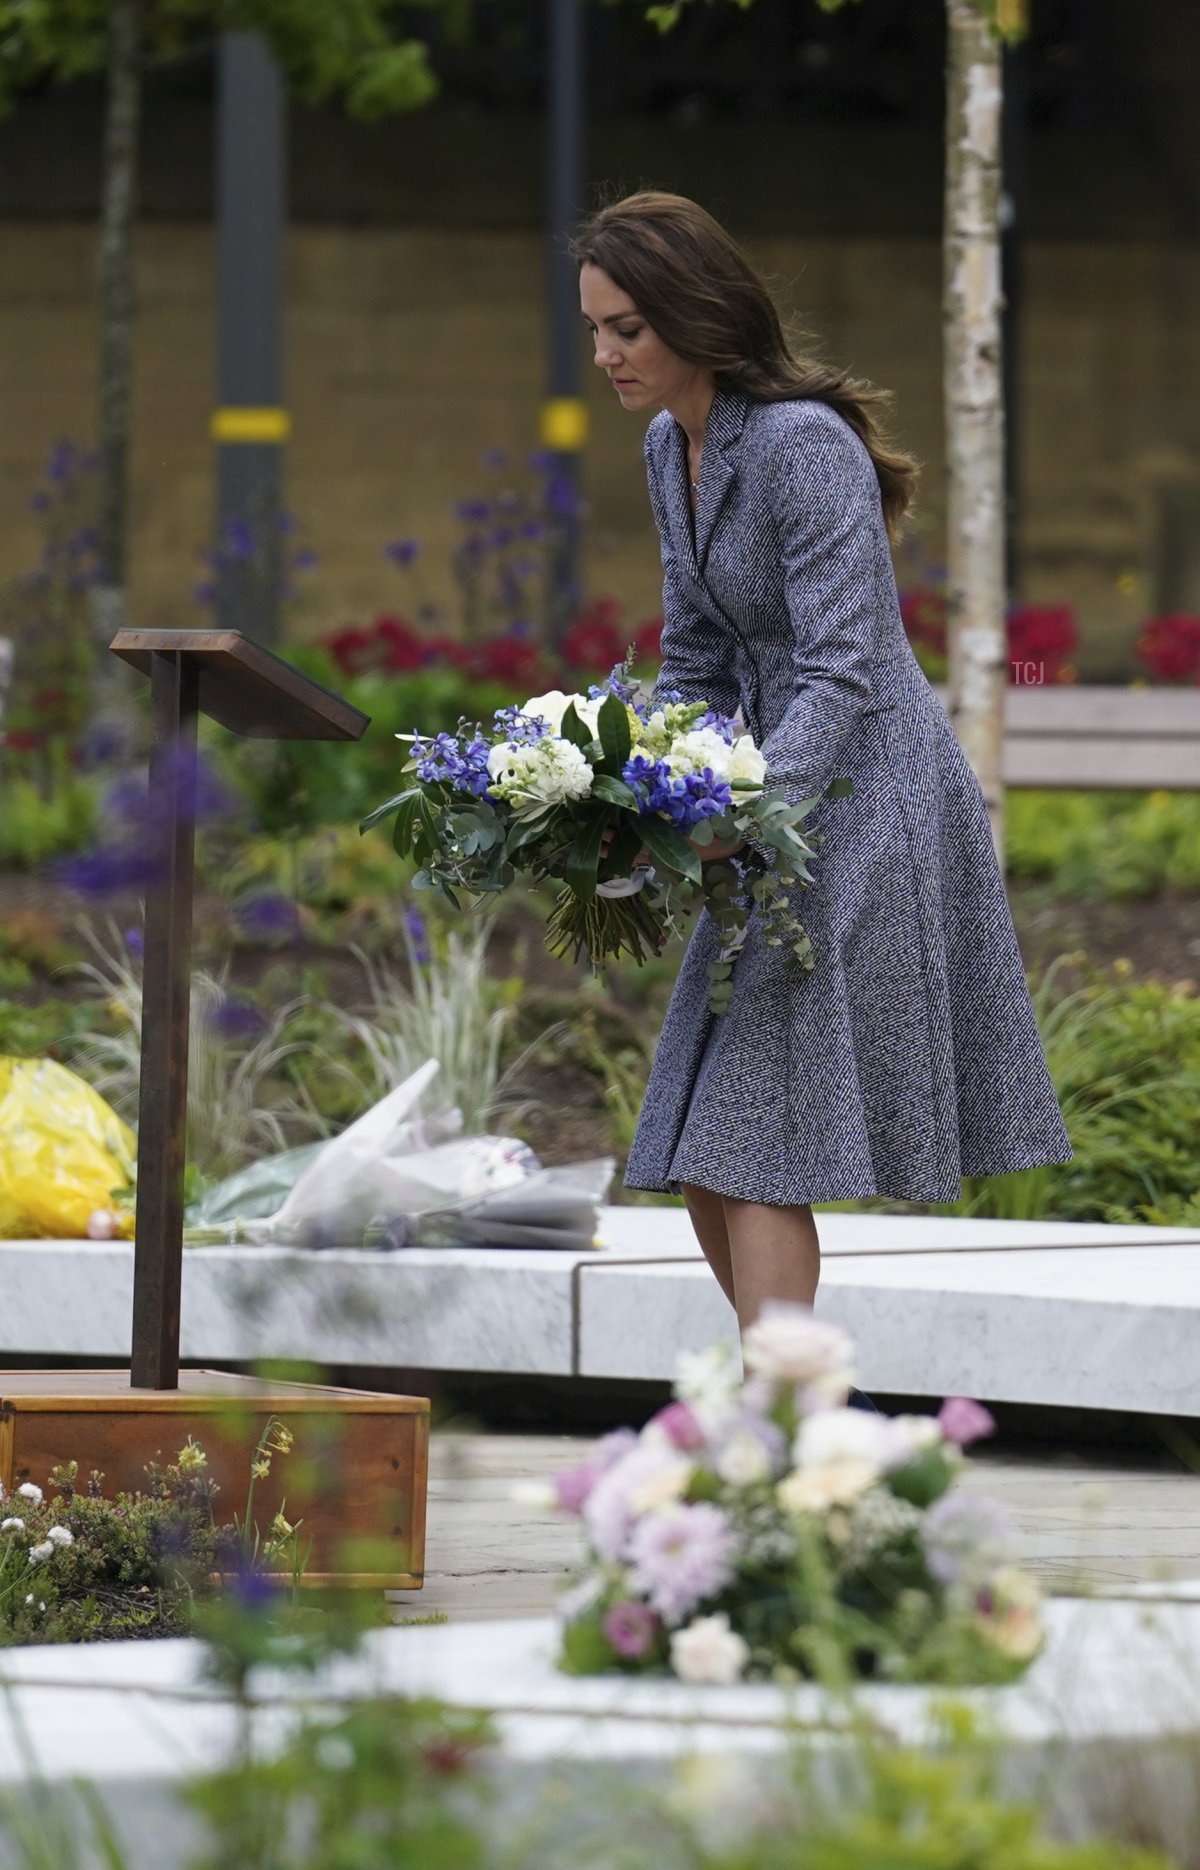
[{"x": 356, "y": 1474}]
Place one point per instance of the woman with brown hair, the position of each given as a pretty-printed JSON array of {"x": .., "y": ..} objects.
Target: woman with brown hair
[{"x": 908, "y": 1056}]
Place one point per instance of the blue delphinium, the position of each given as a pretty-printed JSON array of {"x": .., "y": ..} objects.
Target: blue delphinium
[
  {"x": 723, "y": 724},
  {"x": 445, "y": 761},
  {"x": 521, "y": 729},
  {"x": 685, "y": 798}
]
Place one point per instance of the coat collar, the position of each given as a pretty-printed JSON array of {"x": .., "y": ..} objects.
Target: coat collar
[{"x": 722, "y": 436}]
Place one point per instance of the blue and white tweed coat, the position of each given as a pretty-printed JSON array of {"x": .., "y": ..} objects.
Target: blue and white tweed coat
[{"x": 909, "y": 1056}]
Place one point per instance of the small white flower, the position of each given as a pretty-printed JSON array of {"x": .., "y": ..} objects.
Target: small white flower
[
  {"x": 708, "y": 1379},
  {"x": 582, "y": 1597},
  {"x": 38, "y": 1552},
  {"x": 907, "y": 1436},
  {"x": 28, "y": 1598},
  {"x": 60, "y": 1535},
  {"x": 335, "y": 1752},
  {"x": 536, "y": 1494},
  {"x": 743, "y": 1459},
  {"x": 12, "y": 1525},
  {"x": 29, "y": 1492},
  {"x": 709, "y": 1651}
]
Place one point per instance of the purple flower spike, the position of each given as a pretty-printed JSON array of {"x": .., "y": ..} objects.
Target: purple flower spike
[
  {"x": 236, "y": 1019},
  {"x": 135, "y": 942},
  {"x": 268, "y": 917},
  {"x": 414, "y": 922},
  {"x": 401, "y": 551},
  {"x": 631, "y": 1629},
  {"x": 964, "y": 1421}
]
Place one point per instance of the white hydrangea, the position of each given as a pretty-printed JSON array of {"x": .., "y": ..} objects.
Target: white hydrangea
[
  {"x": 702, "y": 747},
  {"x": 546, "y": 772},
  {"x": 709, "y": 1651}
]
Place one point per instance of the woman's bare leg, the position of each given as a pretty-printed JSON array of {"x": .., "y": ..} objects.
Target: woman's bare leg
[
  {"x": 707, "y": 1210},
  {"x": 774, "y": 1253}
]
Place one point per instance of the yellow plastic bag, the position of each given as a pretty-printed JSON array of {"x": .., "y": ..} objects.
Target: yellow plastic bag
[{"x": 64, "y": 1152}]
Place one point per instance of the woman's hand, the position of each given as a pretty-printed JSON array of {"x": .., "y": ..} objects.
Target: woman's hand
[
  {"x": 641, "y": 861},
  {"x": 716, "y": 852}
]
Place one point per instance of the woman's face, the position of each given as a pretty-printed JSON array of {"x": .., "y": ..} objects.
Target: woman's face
[{"x": 633, "y": 357}]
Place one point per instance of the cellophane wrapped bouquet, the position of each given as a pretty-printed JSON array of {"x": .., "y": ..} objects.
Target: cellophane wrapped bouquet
[
  {"x": 766, "y": 1531},
  {"x": 583, "y": 789}
]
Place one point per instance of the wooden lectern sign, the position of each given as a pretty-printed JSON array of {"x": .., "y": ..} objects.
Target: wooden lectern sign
[
  {"x": 368, "y": 1453},
  {"x": 255, "y": 694}
]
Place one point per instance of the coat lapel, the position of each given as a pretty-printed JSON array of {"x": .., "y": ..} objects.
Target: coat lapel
[{"x": 718, "y": 468}]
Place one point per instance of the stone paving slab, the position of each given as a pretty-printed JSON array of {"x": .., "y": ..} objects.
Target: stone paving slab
[{"x": 1083, "y": 1526}]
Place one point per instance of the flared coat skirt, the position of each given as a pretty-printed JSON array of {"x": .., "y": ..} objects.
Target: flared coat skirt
[{"x": 909, "y": 1056}]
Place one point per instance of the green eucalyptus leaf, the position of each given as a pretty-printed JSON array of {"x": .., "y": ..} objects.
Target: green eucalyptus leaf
[{"x": 384, "y": 811}]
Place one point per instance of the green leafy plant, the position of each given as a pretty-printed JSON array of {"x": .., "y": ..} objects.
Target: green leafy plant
[
  {"x": 237, "y": 1107},
  {"x": 1104, "y": 844},
  {"x": 1125, "y": 1059}
]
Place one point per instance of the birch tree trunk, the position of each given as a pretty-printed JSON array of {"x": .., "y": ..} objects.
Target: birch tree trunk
[
  {"x": 6, "y": 672},
  {"x": 974, "y": 402},
  {"x": 117, "y": 215}
]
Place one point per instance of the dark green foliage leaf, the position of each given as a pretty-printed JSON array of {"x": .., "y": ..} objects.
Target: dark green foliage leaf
[
  {"x": 583, "y": 860},
  {"x": 671, "y": 849},
  {"x": 575, "y": 730},
  {"x": 604, "y": 786},
  {"x": 614, "y": 733}
]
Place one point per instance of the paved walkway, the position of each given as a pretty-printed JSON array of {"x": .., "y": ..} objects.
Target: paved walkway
[{"x": 1082, "y": 1526}]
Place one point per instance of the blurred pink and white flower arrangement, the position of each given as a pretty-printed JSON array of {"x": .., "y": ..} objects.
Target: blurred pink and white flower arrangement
[{"x": 761, "y": 1529}]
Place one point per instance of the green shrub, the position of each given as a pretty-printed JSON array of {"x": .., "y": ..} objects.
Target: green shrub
[
  {"x": 1104, "y": 844},
  {"x": 36, "y": 825},
  {"x": 1125, "y": 1059}
]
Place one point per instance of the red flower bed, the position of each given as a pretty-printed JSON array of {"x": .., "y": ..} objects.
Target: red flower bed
[
  {"x": 1169, "y": 647},
  {"x": 593, "y": 644}
]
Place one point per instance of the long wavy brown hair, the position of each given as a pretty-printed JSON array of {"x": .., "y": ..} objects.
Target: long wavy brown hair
[{"x": 697, "y": 290}]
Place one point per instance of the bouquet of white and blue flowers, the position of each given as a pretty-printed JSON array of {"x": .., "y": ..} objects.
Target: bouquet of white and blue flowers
[{"x": 618, "y": 800}]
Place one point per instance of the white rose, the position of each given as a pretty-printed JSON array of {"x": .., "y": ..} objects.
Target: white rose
[
  {"x": 746, "y": 762},
  {"x": 786, "y": 1342},
  {"x": 843, "y": 1435},
  {"x": 702, "y": 747},
  {"x": 709, "y": 1651},
  {"x": 550, "y": 708},
  {"x": 501, "y": 758}
]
